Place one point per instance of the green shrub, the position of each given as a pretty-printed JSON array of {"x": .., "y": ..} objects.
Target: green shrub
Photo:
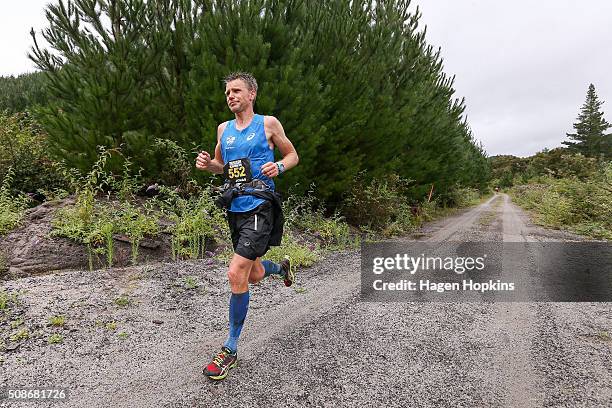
[
  {"x": 177, "y": 164},
  {"x": 583, "y": 206},
  {"x": 555, "y": 209},
  {"x": 12, "y": 209},
  {"x": 195, "y": 220},
  {"x": 427, "y": 211},
  {"x": 306, "y": 214},
  {"x": 137, "y": 223},
  {"x": 463, "y": 197},
  {"x": 376, "y": 204},
  {"x": 300, "y": 254},
  {"x": 23, "y": 148},
  {"x": 93, "y": 222},
  {"x": 404, "y": 221}
]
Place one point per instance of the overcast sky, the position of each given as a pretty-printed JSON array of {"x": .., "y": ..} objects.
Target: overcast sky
[{"x": 523, "y": 66}]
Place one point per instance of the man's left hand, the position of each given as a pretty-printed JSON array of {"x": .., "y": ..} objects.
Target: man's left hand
[{"x": 269, "y": 169}]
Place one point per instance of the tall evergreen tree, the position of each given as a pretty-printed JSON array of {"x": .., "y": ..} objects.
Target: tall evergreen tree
[
  {"x": 590, "y": 138},
  {"x": 353, "y": 81},
  {"x": 116, "y": 74}
]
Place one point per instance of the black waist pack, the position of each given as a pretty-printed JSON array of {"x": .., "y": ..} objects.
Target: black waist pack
[{"x": 225, "y": 201}]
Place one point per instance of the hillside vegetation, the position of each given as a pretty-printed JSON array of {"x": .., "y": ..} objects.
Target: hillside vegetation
[{"x": 561, "y": 189}]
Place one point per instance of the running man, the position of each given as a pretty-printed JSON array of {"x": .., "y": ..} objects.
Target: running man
[{"x": 245, "y": 156}]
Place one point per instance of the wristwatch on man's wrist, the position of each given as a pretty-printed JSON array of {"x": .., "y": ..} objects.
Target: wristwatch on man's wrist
[{"x": 281, "y": 167}]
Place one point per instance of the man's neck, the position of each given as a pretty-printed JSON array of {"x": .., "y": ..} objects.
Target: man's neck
[{"x": 243, "y": 119}]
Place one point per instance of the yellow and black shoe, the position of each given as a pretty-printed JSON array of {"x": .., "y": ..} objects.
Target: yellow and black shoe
[
  {"x": 288, "y": 273},
  {"x": 221, "y": 364}
]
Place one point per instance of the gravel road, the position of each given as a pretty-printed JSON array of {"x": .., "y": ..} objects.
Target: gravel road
[{"x": 138, "y": 337}]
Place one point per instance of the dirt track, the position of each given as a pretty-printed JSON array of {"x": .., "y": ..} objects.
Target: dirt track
[{"x": 318, "y": 346}]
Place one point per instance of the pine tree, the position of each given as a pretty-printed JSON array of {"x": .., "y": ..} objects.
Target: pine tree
[
  {"x": 354, "y": 83},
  {"x": 590, "y": 138},
  {"x": 116, "y": 75}
]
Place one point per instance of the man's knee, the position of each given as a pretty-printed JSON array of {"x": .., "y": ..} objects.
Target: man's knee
[{"x": 238, "y": 272}]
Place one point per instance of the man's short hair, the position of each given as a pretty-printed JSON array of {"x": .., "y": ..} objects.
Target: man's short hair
[{"x": 248, "y": 79}]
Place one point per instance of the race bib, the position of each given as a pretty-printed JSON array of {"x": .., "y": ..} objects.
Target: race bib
[{"x": 238, "y": 171}]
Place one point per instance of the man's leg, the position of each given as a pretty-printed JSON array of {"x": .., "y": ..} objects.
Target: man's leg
[
  {"x": 258, "y": 271},
  {"x": 262, "y": 269},
  {"x": 238, "y": 274},
  {"x": 271, "y": 268}
]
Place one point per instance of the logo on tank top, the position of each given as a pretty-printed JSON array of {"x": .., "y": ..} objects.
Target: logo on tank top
[
  {"x": 230, "y": 140},
  {"x": 250, "y": 136}
]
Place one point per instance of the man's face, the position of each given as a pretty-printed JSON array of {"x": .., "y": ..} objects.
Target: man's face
[{"x": 238, "y": 96}]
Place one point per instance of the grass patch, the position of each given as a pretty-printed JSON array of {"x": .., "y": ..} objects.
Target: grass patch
[
  {"x": 306, "y": 215},
  {"x": 22, "y": 334},
  {"x": 8, "y": 299},
  {"x": 55, "y": 339},
  {"x": 57, "y": 321},
  {"x": 123, "y": 301},
  {"x": 487, "y": 218},
  {"x": 16, "y": 323},
  {"x": 94, "y": 223},
  {"x": 193, "y": 222},
  {"x": 123, "y": 335},
  {"x": 137, "y": 223},
  {"x": 190, "y": 282},
  {"x": 111, "y": 326}
]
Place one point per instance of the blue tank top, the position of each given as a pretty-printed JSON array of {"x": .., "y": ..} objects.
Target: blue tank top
[{"x": 248, "y": 143}]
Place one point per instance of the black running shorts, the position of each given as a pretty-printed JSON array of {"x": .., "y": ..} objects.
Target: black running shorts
[{"x": 251, "y": 230}]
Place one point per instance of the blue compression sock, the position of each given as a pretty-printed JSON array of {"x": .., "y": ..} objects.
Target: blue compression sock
[
  {"x": 238, "y": 307},
  {"x": 271, "y": 268}
]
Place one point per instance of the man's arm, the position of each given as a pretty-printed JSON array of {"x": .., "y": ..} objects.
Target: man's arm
[
  {"x": 277, "y": 135},
  {"x": 204, "y": 162}
]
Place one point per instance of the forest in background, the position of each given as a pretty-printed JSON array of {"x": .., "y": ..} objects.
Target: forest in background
[{"x": 567, "y": 187}]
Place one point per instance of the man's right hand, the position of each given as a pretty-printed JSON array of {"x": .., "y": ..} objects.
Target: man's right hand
[{"x": 203, "y": 161}]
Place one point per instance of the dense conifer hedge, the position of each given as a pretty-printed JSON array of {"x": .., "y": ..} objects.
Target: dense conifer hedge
[{"x": 354, "y": 83}]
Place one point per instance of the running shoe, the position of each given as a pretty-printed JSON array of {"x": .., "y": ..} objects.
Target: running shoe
[
  {"x": 221, "y": 364},
  {"x": 288, "y": 274}
]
